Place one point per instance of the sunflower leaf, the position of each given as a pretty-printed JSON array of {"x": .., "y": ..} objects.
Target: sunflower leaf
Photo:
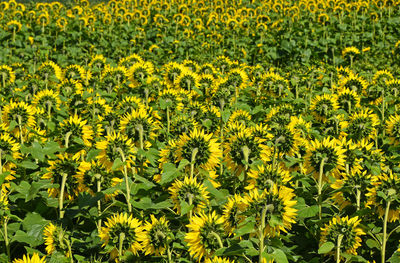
[
  {"x": 280, "y": 256},
  {"x": 170, "y": 172},
  {"x": 326, "y": 248}
]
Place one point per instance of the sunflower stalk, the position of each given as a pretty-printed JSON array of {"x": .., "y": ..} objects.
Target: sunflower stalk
[
  {"x": 320, "y": 186},
  {"x": 98, "y": 179},
  {"x": 221, "y": 134},
  {"x": 384, "y": 239},
  {"x": 3, "y": 78},
  {"x": 140, "y": 130},
  {"x": 21, "y": 134},
  {"x": 168, "y": 121},
  {"x": 261, "y": 233},
  {"x": 339, "y": 243},
  {"x": 67, "y": 136},
  {"x": 61, "y": 198},
  {"x": 358, "y": 197},
  {"x": 127, "y": 186},
  {"x": 6, "y": 241},
  {"x": 246, "y": 153},
  {"x": 218, "y": 238},
  {"x": 69, "y": 250},
  {"x": 192, "y": 161},
  {"x": 121, "y": 243}
]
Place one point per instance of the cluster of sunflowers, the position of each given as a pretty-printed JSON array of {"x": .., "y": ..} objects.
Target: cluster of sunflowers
[{"x": 148, "y": 131}]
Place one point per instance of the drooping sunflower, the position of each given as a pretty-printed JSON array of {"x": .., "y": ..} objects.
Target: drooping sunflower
[
  {"x": 189, "y": 191},
  {"x": 279, "y": 203},
  {"x": 279, "y": 115},
  {"x": 243, "y": 146},
  {"x": 7, "y": 75},
  {"x": 354, "y": 82},
  {"x": 75, "y": 72},
  {"x": 112, "y": 78},
  {"x": 273, "y": 85},
  {"x": 187, "y": 80},
  {"x": 64, "y": 164},
  {"x": 50, "y": 71},
  {"x": 20, "y": 112},
  {"x": 47, "y": 99},
  {"x": 352, "y": 155},
  {"x": 327, "y": 153},
  {"x": 200, "y": 148},
  {"x": 34, "y": 259},
  {"x": 121, "y": 229},
  {"x": 130, "y": 60},
  {"x": 350, "y": 51},
  {"x": 387, "y": 183},
  {"x": 218, "y": 260},
  {"x": 137, "y": 123},
  {"x": 156, "y": 236},
  {"x": 139, "y": 72},
  {"x": 97, "y": 63},
  {"x": 70, "y": 88},
  {"x": 56, "y": 239},
  {"x": 205, "y": 236},
  {"x": 324, "y": 106},
  {"x": 266, "y": 175},
  {"x": 74, "y": 129},
  {"x": 286, "y": 140},
  {"x": 115, "y": 145},
  {"x": 381, "y": 77},
  {"x": 183, "y": 124},
  {"x": 240, "y": 116},
  {"x": 348, "y": 100},
  {"x": 89, "y": 173},
  {"x": 348, "y": 228},
  {"x": 233, "y": 212},
  {"x": 351, "y": 189},
  {"x": 361, "y": 125},
  {"x": 393, "y": 129}
]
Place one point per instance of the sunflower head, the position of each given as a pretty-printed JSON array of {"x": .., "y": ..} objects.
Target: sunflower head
[
  {"x": 348, "y": 229},
  {"x": 156, "y": 236},
  {"x": 234, "y": 212},
  {"x": 205, "y": 236},
  {"x": 34, "y": 259},
  {"x": 56, "y": 239},
  {"x": 189, "y": 191},
  {"x": 361, "y": 125},
  {"x": 124, "y": 231},
  {"x": 324, "y": 106}
]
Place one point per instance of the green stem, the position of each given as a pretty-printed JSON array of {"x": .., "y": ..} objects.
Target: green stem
[
  {"x": 67, "y": 138},
  {"x": 339, "y": 242},
  {"x": 69, "y": 250},
  {"x": 192, "y": 162},
  {"x": 128, "y": 189},
  {"x": 168, "y": 121},
  {"x": 98, "y": 178},
  {"x": 121, "y": 244},
  {"x": 218, "y": 239},
  {"x": 6, "y": 241},
  {"x": 61, "y": 198},
  {"x": 320, "y": 185},
  {"x": 20, "y": 129},
  {"x": 358, "y": 197},
  {"x": 384, "y": 239},
  {"x": 261, "y": 234}
]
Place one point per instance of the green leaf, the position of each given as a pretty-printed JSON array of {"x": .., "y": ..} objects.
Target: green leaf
[
  {"x": 170, "y": 172},
  {"x": 185, "y": 207},
  {"x": 280, "y": 256},
  {"x": 246, "y": 228},
  {"x": 117, "y": 164},
  {"x": 371, "y": 243},
  {"x": 144, "y": 203},
  {"x": 309, "y": 211},
  {"x": 28, "y": 165},
  {"x": 35, "y": 187},
  {"x": 326, "y": 248},
  {"x": 225, "y": 115},
  {"x": 92, "y": 154},
  {"x": 233, "y": 250},
  {"x": 212, "y": 190}
]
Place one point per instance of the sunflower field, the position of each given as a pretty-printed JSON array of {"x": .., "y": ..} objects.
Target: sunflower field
[{"x": 213, "y": 131}]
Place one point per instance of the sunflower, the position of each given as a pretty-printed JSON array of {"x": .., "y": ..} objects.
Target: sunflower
[
  {"x": 183, "y": 124},
  {"x": 138, "y": 123},
  {"x": 156, "y": 236},
  {"x": 130, "y": 103},
  {"x": 345, "y": 187},
  {"x": 139, "y": 72},
  {"x": 361, "y": 125},
  {"x": 97, "y": 63},
  {"x": 279, "y": 203},
  {"x": 47, "y": 99},
  {"x": 218, "y": 260},
  {"x": 352, "y": 155},
  {"x": 273, "y": 85},
  {"x": 350, "y": 51},
  {"x": 172, "y": 98},
  {"x": 279, "y": 115},
  {"x": 64, "y": 164},
  {"x": 122, "y": 231},
  {"x": 172, "y": 70},
  {"x": 327, "y": 153},
  {"x": 205, "y": 236},
  {"x": 348, "y": 100},
  {"x": 50, "y": 71},
  {"x": 115, "y": 145},
  {"x": 233, "y": 213},
  {"x": 189, "y": 191},
  {"x": 99, "y": 108},
  {"x": 385, "y": 188},
  {"x": 89, "y": 173},
  {"x": 286, "y": 140},
  {"x": 243, "y": 146},
  {"x": 112, "y": 78},
  {"x": 56, "y": 239},
  {"x": 70, "y": 88},
  {"x": 393, "y": 129},
  {"x": 20, "y": 112},
  {"x": 75, "y": 72},
  {"x": 381, "y": 77},
  {"x": 75, "y": 129},
  {"x": 267, "y": 175},
  {"x": 200, "y": 148},
  {"x": 8, "y": 147},
  {"x": 240, "y": 116},
  {"x": 7, "y": 75},
  {"x": 13, "y": 26},
  {"x": 354, "y": 82},
  {"x": 187, "y": 79},
  {"x": 348, "y": 229},
  {"x": 324, "y": 106}
]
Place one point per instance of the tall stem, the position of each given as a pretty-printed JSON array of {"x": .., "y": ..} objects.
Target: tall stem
[
  {"x": 218, "y": 238},
  {"x": 339, "y": 242},
  {"x": 321, "y": 172},
  {"x": 98, "y": 179},
  {"x": 61, "y": 198},
  {"x": 127, "y": 186},
  {"x": 384, "y": 239},
  {"x": 192, "y": 161},
  {"x": 358, "y": 197},
  {"x": 6, "y": 241},
  {"x": 168, "y": 121},
  {"x": 261, "y": 234},
  {"x": 121, "y": 244}
]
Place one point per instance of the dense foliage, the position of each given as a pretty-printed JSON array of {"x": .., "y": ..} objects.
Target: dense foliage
[{"x": 200, "y": 131}]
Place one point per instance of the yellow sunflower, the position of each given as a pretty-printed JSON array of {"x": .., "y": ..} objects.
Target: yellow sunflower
[
  {"x": 189, "y": 191},
  {"x": 324, "y": 106},
  {"x": 205, "y": 236},
  {"x": 56, "y": 239},
  {"x": 200, "y": 148},
  {"x": 361, "y": 125},
  {"x": 34, "y": 259},
  {"x": 156, "y": 236},
  {"x": 233, "y": 212},
  {"x": 345, "y": 227},
  {"x": 75, "y": 130},
  {"x": 264, "y": 176},
  {"x": 393, "y": 129},
  {"x": 7, "y": 75}
]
